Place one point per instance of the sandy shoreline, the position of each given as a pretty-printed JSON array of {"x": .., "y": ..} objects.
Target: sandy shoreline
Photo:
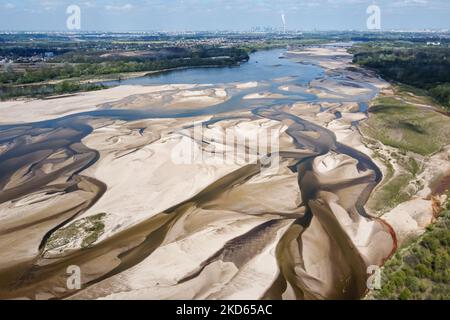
[{"x": 27, "y": 111}]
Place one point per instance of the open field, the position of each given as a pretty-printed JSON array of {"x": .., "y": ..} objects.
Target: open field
[{"x": 407, "y": 127}]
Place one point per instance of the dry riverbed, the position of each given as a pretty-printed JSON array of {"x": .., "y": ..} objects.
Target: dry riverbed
[{"x": 106, "y": 194}]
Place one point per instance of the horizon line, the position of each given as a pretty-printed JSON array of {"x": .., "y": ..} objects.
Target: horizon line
[{"x": 398, "y": 30}]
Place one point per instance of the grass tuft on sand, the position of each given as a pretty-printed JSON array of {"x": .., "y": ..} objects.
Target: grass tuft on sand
[
  {"x": 407, "y": 127},
  {"x": 88, "y": 229},
  {"x": 410, "y": 132}
]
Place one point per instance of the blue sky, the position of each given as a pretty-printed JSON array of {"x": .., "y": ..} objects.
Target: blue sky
[{"x": 175, "y": 15}]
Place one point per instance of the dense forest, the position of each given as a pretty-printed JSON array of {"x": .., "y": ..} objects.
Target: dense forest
[
  {"x": 84, "y": 65},
  {"x": 421, "y": 270},
  {"x": 420, "y": 66},
  {"x": 67, "y": 69},
  {"x": 40, "y": 91}
]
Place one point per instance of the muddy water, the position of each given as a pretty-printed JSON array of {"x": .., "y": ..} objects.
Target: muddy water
[{"x": 32, "y": 148}]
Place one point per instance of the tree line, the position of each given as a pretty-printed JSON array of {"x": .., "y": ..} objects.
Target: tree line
[
  {"x": 72, "y": 68},
  {"x": 422, "y": 67}
]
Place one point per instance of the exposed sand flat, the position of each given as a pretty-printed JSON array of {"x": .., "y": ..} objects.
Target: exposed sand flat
[
  {"x": 319, "y": 259},
  {"x": 121, "y": 135},
  {"x": 24, "y": 223},
  {"x": 303, "y": 108},
  {"x": 188, "y": 216},
  {"x": 340, "y": 87},
  {"x": 341, "y": 90},
  {"x": 293, "y": 88},
  {"x": 158, "y": 183},
  {"x": 317, "y": 52},
  {"x": 353, "y": 117},
  {"x": 157, "y": 278},
  {"x": 25, "y": 111},
  {"x": 324, "y": 114},
  {"x": 338, "y": 212},
  {"x": 411, "y": 218},
  {"x": 224, "y": 240},
  {"x": 323, "y": 94},
  {"x": 247, "y": 85},
  {"x": 328, "y": 58},
  {"x": 437, "y": 167},
  {"x": 30, "y": 212},
  {"x": 363, "y": 231},
  {"x": 175, "y": 97},
  {"x": 199, "y": 100},
  {"x": 263, "y": 95}
]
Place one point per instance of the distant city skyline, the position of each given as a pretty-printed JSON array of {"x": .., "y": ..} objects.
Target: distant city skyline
[{"x": 209, "y": 15}]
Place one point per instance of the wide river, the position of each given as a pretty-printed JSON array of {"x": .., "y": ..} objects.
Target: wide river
[
  {"x": 263, "y": 66},
  {"x": 269, "y": 68}
]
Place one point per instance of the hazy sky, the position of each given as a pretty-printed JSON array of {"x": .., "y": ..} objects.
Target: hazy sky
[{"x": 173, "y": 15}]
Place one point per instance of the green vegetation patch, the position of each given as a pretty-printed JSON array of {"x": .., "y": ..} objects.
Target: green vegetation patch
[
  {"x": 391, "y": 194},
  {"x": 407, "y": 127},
  {"x": 89, "y": 229},
  {"x": 422, "y": 270},
  {"x": 70, "y": 67},
  {"x": 40, "y": 91},
  {"x": 415, "y": 65},
  {"x": 396, "y": 188},
  {"x": 83, "y": 64},
  {"x": 415, "y": 95},
  {"x": 442, "y": 94}
]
